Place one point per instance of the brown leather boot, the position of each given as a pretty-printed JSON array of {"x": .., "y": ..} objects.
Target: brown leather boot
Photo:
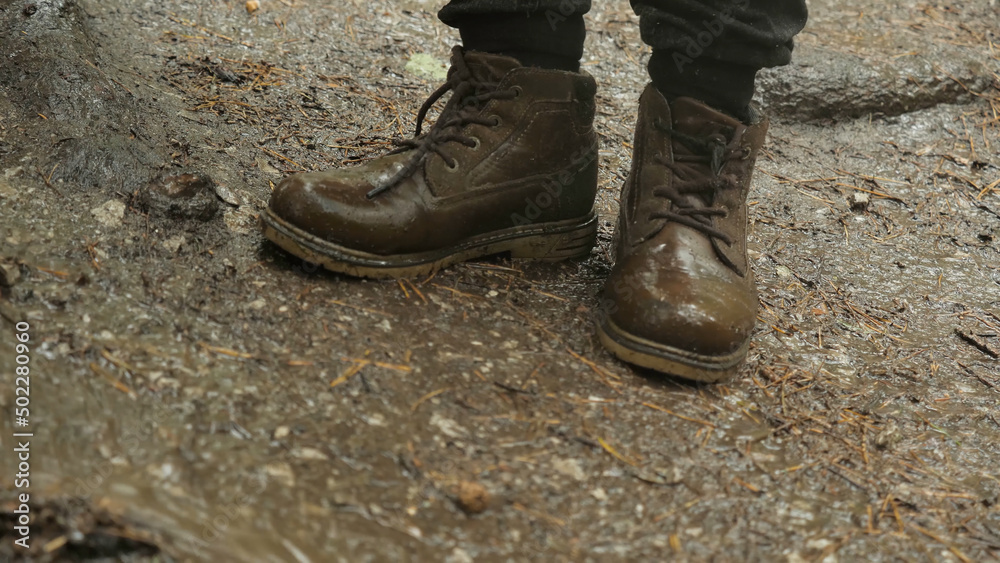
[
  {"x": 681, "y": 298},
  {"x": 510, "y": 166}
]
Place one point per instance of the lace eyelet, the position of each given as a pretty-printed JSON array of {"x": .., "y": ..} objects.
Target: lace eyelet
[
  {"x": 451, "y": 168},
  {"x": 497, "y": 121},
  {"x": 476, "y": 143},
  {"x": 746, "y": 153},
  {"x": 517, "y": 91}
]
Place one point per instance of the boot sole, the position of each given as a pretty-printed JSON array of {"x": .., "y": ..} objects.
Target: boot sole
[
  {"x": 556, "y": 241},
  {"x": 667, "y": 359}
]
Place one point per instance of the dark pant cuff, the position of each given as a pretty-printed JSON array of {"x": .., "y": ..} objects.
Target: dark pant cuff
[
  {"x": 547, "y": 40},
  {"x": 724, "y": 86}
]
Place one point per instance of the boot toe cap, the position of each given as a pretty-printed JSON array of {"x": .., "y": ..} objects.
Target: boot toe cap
[
  {"x": 699, "y": 316},
  {"x": 333, "y": 207},
  {"x": 304, "y": 201}
]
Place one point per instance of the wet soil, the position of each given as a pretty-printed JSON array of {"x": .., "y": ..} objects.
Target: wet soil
[{"x": 198, "y": 394}]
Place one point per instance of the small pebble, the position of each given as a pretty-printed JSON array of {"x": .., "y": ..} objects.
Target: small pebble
[
  {"x": 174, "y": 244},
  {"x": 110, "y": 214},
  {"x": 859, "y": 201},
  {"x": 473, "y": 498},
  {"x": 10, "y": 274},
  {"x": 309, "y": 454}
]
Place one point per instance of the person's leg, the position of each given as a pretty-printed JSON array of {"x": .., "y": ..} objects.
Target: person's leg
[
  {"x": 711, "y": 50},
  {"x": 681, "y": 297},
  {"x": 541, "y": 33},
  {"x": 510, "y": 165}
]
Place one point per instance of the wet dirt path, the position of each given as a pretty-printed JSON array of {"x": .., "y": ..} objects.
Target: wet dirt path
[{"x": 197, "y": 394}]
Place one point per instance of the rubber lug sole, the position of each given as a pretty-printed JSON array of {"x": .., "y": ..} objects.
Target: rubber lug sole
[
  {"x": 666, "y": 359},
  {"x": 553, "y": 242}
]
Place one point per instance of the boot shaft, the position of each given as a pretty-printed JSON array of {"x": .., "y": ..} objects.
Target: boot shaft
[{"x": 681, "y": 146}]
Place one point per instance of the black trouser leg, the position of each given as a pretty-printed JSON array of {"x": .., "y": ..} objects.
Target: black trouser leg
[
  {"x": 543, "y": 33},
  {"x": 712, "y": 49}
]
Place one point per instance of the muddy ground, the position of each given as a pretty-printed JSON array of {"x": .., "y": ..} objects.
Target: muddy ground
[{"x": 197, "y": 394}]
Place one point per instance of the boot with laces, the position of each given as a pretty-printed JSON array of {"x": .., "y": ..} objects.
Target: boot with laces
[
  {"x": 681, "y": 298},
  {"x": 509, "y": 166}
]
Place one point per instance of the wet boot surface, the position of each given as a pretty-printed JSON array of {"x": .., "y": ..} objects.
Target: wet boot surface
[
  {"x": 510, "y": 166},
  {"x": 681, "y": 298},
  {"x": 199, "y": 393}
]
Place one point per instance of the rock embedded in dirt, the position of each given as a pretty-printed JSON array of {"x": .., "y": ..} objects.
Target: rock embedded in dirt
[
  {"x": 110, "y": 214},
  {"x": 174, "y": 244},
  {"x": 570, "y": 468},
  {"x": 180, "y": 197},
  {"x": 859, "y": 201},
  {"x": 10, "y": 273},
  {"x": 473, "y": 498},
  {"x": 227, "y": 195}
]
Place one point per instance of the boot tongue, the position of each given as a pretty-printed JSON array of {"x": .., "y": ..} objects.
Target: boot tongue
[
  {"x": 696, "y": 119},
  {"x": 487, "y": 67}
]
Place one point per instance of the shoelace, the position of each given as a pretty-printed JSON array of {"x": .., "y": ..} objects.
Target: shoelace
[
  {"x": 467, "y": 95},
  {"x": 713, "y": 151}
]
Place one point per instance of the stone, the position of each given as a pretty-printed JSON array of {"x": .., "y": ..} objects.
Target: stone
[
  {"x": 570, "y": 468},
  {"x": 180, "y": 197},
  {"x": 472, "y": 498},
  {"x": 859, "y": 201},
  {"x": 174, "y": 244},
  {"x": 10, "y": 274},
  {"x": 110, "y": 214}
]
